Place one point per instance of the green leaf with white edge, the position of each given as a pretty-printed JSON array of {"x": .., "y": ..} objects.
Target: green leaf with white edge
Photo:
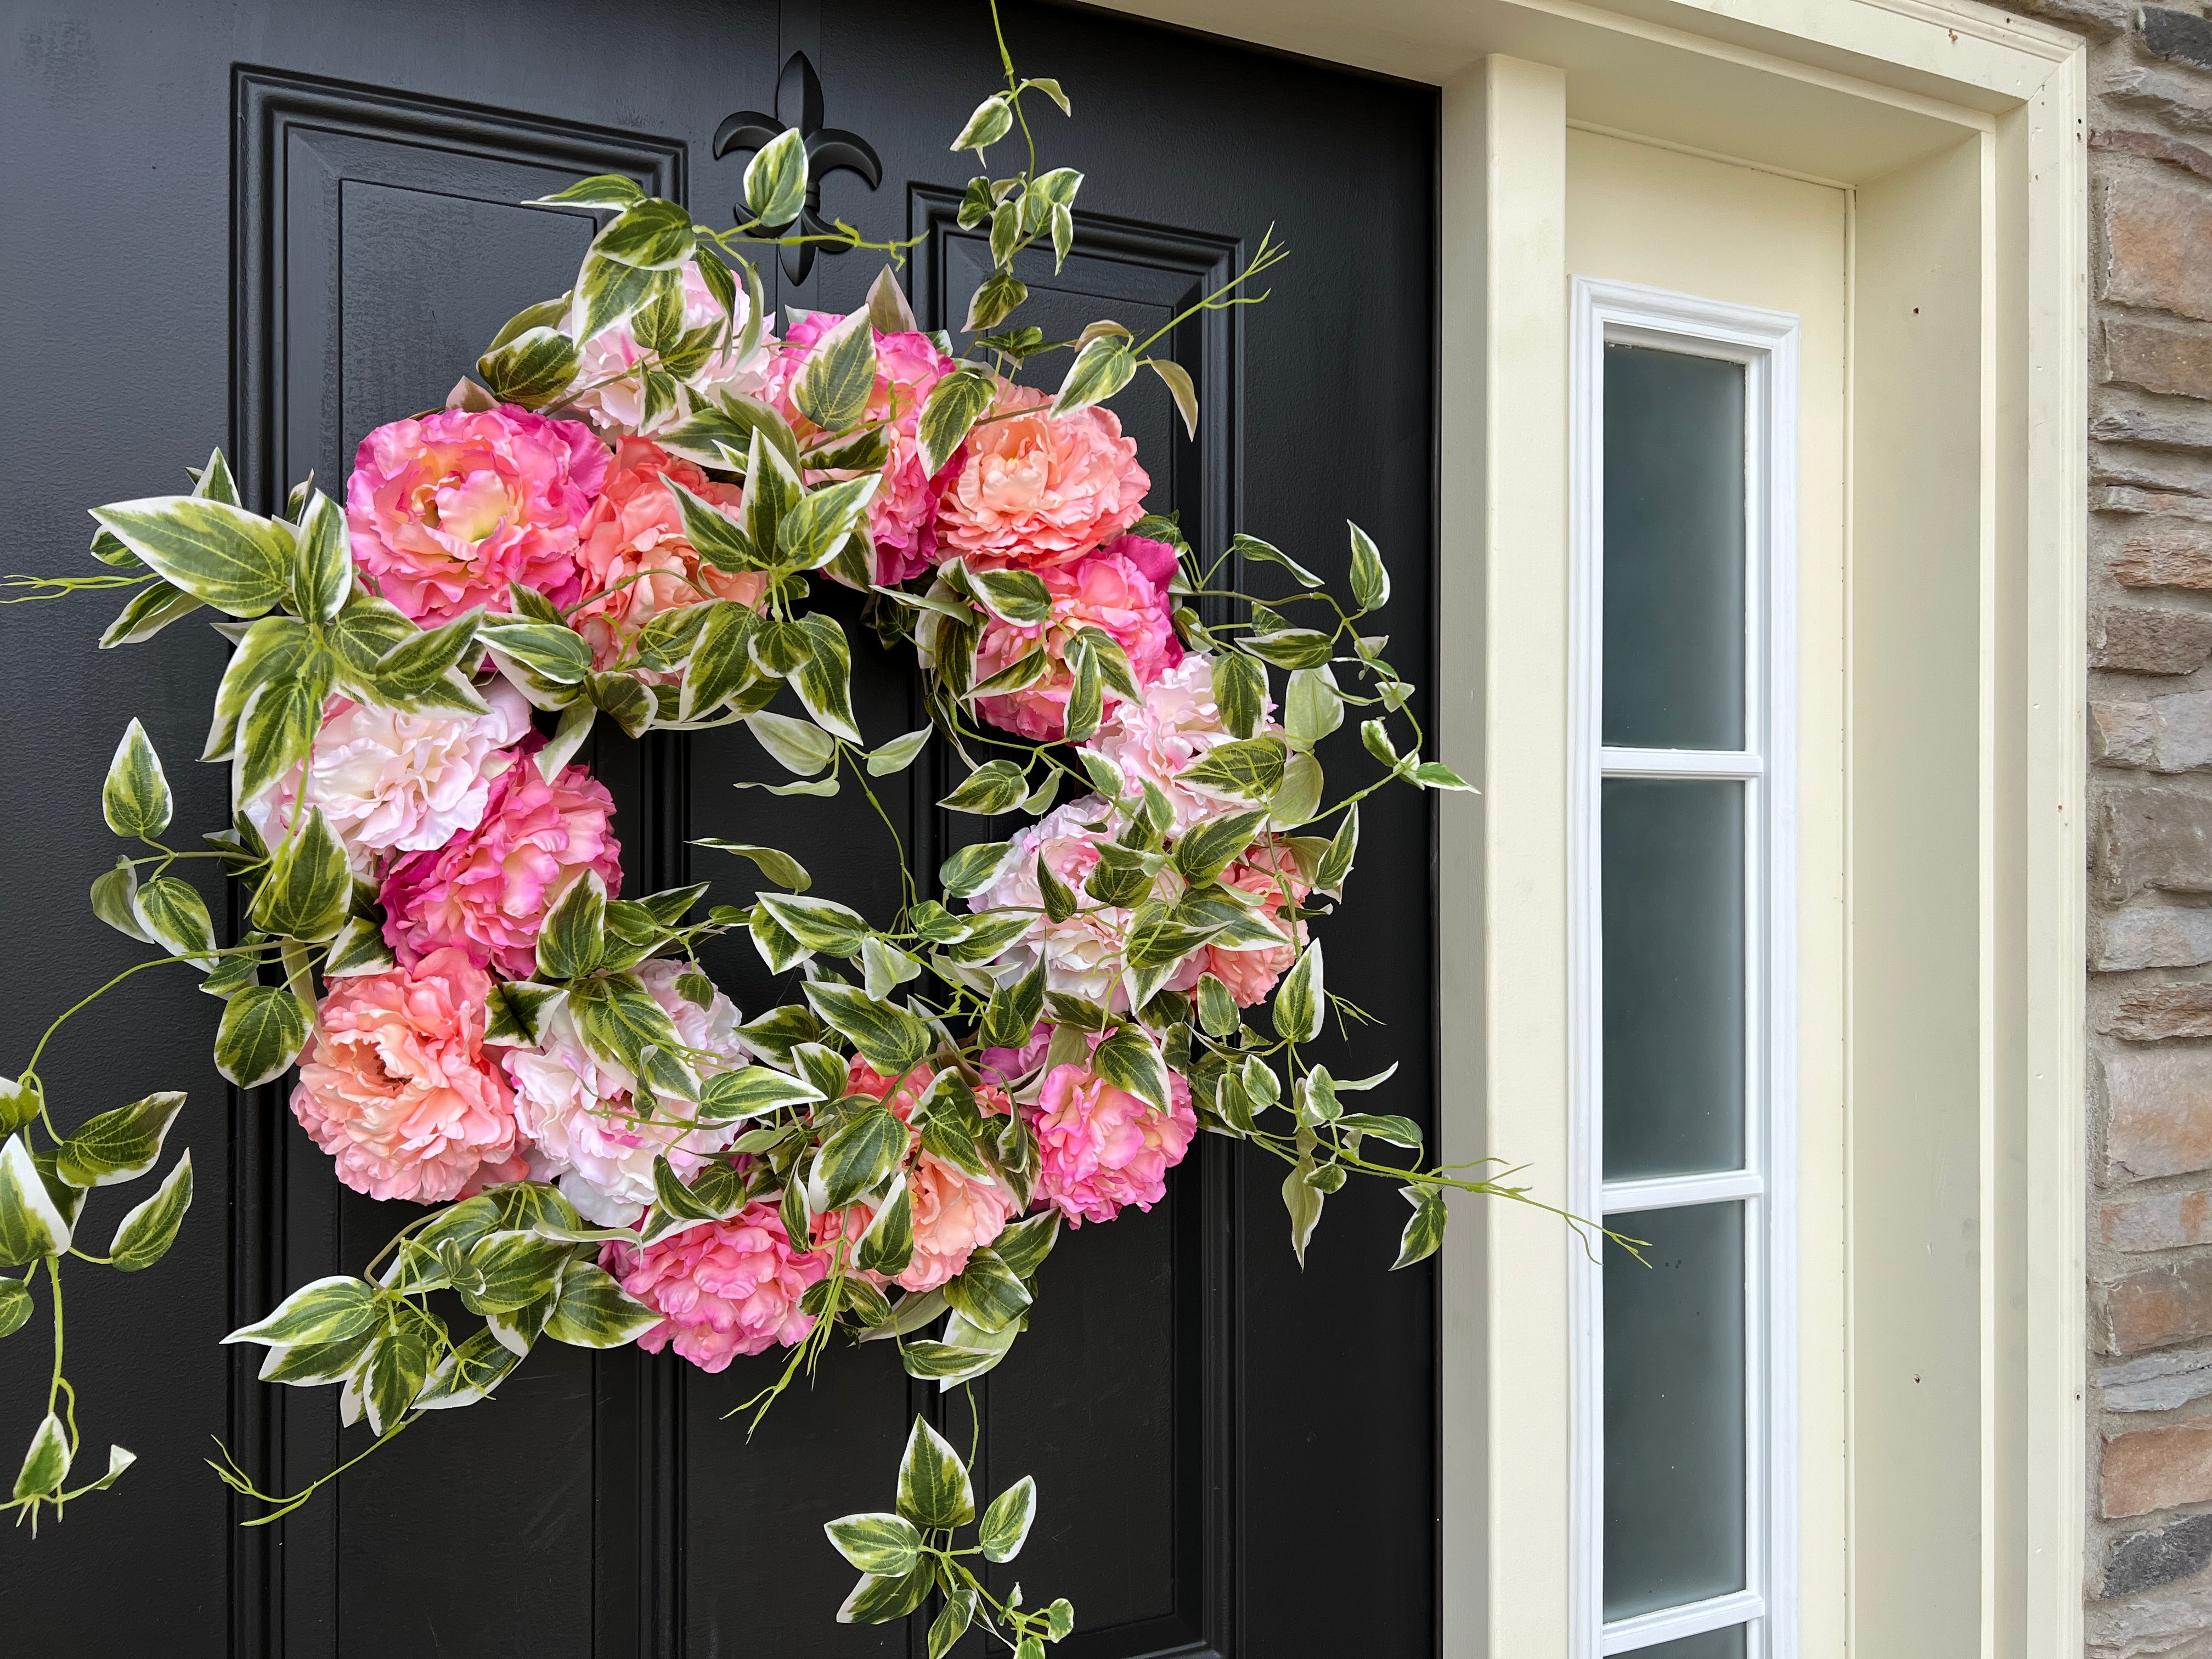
[
  {"x": 952, "y": 1620},
  {"x": 601, "y": 190},
  {"x": 1303, "y": 1200},
  {"x": 14, "y": 1304},
  {"x": 1298, "y": 798},
  {"x": 236, "y": 561},
  {"x": 321, "y": 571},
  {"x": 752, "y": 1092},
  {"x": 1059, "y": 1618},
  {"x": 1241, "y": 546},
  {"x": 1240, "y": 691},
  {"x": 422, "y": 674},
  {"x": 1216, "y": 1010},
  {"x": 608, "y": 291},
  {"x": 1435, "y": 774},
  {"x": 572, "y": 940},
  {"x": 215, "y": 482},
  {"x": 996, "y": 298},
  {"x": 263, "y": 1027},
  {"x": 1181, "y": 387},
  {"x": 1375, "y": 736},
  {"x": 818, "y": 924},
  {"x": 1208, "y": 848},
  {"x": 148, "y": 611},
  {"x": 781, "y": 868},
  {"x": 777, "y": 948},
  {"x": 322, "y": 1311},
  {"x": 1102, "y": 369},
  {"x": 838, "y": 376},
  {"x": 1301, "y": 1004},
  {"x": 147, "y": 1231},
  {"x": 1312, "y": 706},
  {"x": 886, "y": 1544},
  {"x": 825, "y": 680},
  {"x": 1248, "y": 770},
  {"x": 887, "y": 1246},
  {"x": 989, "y": 933},
  {"x": 1425, "y": 1228},
  {"x": 775, "y": 179},
  {"x": 308, "y": 891},
  {"x": 46, "y": 1464},
  {"x": 398, "y": 1365},
  {"x": 511, "y": 1269},
  {"x": 1398, "y": 1130},
  {"x": 987, "y": 1292},
  {"x": 946, "y": 1365},
  {"x": 955, "y": 404},
  {"x": 20, "y": 1102},
  {"x": 1018, "y": 597},
  {"x": 1005, "y": 1524},
  {"x": 796, "y": 745},
  {"x": 1291, "y": 647},
  {"x": 1335, "y": 863},
  {"x": 173, "y": 911},
  {"x": 1370, "y": 578},
  {"x": 933, "y": 1489},
  {"x": 885, "y": 966},
  {"x": 514, "y": 1011},
  {"x": 991, "y": 120},
  {"x": 651, "y": 234},
  {"x": 899, "y": 753},
  {"x": 595, "y": 1312},
  {"x": 119, "y": 1145},
  {"x": 819, "y": 523},
  {"x": 33, "y": 1226},
  {"x": 114, "y": 896},
  {"x": 973, "y": 868},
  {"x": 860, "y": 1155},
  {"x": 1131, "y": 1062},
  {"x": 876, "y": 1600},
  {"x": 1025, "y": 671},
  {"x": 278, "y": 728},
  {"x": 1015, "y": 1009},
  {"x": 994, "y": 788},
  {"x": 136, "y": 800},
  {"x": 468, "y": 1374},
  {"x": 618, "y": 1020}
]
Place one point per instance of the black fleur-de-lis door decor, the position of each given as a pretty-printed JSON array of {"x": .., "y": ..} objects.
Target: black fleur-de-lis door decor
[{"x": 829, "y": 149}]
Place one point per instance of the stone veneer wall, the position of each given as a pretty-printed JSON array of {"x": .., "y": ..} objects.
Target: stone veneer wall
[{"x": 2149, "y": 1371}]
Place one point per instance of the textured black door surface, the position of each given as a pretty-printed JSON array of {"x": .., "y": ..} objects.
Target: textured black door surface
[{"x": 272, "y": 225}]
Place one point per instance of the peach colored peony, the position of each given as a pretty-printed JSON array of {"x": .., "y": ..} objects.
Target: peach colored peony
[
  {"x": 1121, "y": 589},
  {"x": 446, "y": 510},
  {"x": 633, "y": 556},
  {"x": 579, "y": 1113},
  {"x": 1101, "y": 1148},
  {"x": 486, "y": 890},
  {"x": 392, "y": 782},
  {"x": 722, "y": 1288},
  {"x": 397, "y": 1089},
  {"x": 955, "y": 1213},
  {"x": 1036, "y": 491},
  {"x": 1251, "y": 974},
  {"x": 613, "y": 399},
  {"x": 903, "y": 519},
  {"x": 1177, "y": 724}
]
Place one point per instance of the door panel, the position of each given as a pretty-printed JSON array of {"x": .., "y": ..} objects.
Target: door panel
[{"x": 346, "y": 212}]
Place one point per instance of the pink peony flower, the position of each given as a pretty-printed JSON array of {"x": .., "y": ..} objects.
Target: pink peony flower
[
  {"x": 580, "y": 1115},
  {"x": 1036, "y": 491},
  {"x": 397, "y": 1089},
  {"x": 903, "y": 519},
  {"x": 1177, "y": 724},
  {"x": 1101, "y": 1148},
  {"x": 1083, "y": 954},
  {"x": 615, "y": 402},
  {"x": 633, "y": 554},
  {"x": 487, "y": 891},
  {"x": 955, "y": 1213},
  {"x": 722, "y": 1288},
  {"x": 1121, "y": 589},
  {"x": 393, "y": 783},
  {"x": 446, "y": 510},
  {"x": 1251, "y": 973}
]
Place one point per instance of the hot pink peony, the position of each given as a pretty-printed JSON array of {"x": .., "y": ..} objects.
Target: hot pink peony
[
  {"x": 1250, "y": 974},
  {"x": 1101, "y": 1148},
  {"x": 903, "y": 519},
  {"x": 446, "y": 510},
  {"x": 487, "y": 891},
  {"x": 1177, "y": 724},
  {"x": 1036, "y": 491},
  {"x": 613, "y": 398},
  {"x": 633, "y": 554},
  {"x": 722, "y": 1288},
  {"x": 396, "y": 1087},
  {"x": 955, "y": 1213},
  {"x": 1121, "y": 590}
]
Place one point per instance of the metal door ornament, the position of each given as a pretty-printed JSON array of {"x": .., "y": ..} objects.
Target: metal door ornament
[{"x": 829, "y": 149}]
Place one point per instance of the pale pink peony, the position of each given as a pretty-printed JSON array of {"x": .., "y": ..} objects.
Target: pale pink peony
[
  {"x": 446, "y": 510},
  {"x": 393, "y": 783},
  {"x": 1035, "y": 491},
  {"x": 902, "y": 518},
  {"x": 1177, "y": 724},
  {"x": 1121, "y": 589},
  {"x": 613, "y": 399},
  {"x": 486, "y": 890},
  {"x": 955, "y": 1213},
  {"x": 722, "y": 1288},
  {"x": 580, "y": 1117},
  {"x": 1251, "y": 973},
  {"x": 397, "y": 1089},
  {"x": 635, "y": 556},
  {"x": 1083, "y": 954},
  {"x": 1101, "y": 1148}
]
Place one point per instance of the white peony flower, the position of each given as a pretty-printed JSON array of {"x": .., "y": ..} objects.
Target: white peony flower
[
  {"x": 1177, "y": 724},
  {"x": 577, "y": 1112},
  {"x": 615, "y": 400}
]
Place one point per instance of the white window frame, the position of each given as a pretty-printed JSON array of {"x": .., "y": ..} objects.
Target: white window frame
[{"x": 1765, "y": 342}]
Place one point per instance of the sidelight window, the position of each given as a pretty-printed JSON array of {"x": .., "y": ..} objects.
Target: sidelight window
[{"x": 1684, "y": 1059}]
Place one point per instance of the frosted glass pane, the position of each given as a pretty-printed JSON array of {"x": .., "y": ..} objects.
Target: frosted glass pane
[
  {"x": 1674, "y": 550},
  {"x": 1673, "y": 1409},
  {"x": 1713, "y": 1645},
  {"x": 1673, "y": 872}
]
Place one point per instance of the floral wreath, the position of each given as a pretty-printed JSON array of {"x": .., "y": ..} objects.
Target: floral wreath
[{"x": 622, "y": 521}]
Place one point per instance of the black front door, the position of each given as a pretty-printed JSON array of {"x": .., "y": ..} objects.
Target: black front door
[{"x": 273, "y": 224}]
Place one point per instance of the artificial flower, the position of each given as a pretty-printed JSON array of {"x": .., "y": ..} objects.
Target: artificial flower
[
  {"x": 1175, "y": 725},
  {"x": 956, "y": 1212},
  {"x": 610, "y": 393},
  {"x": 1101, "y": 1148},
  {"x": 1036, "y": 489},
  {"x": 721, "y": 1288},
  {"x": 1121, "y": 590}
]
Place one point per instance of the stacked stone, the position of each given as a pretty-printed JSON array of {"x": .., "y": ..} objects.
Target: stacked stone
[{"x": 2150, "y": 742}]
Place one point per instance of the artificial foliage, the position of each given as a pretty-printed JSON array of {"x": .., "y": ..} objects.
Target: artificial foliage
[{"x": 618, "y": 521}]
